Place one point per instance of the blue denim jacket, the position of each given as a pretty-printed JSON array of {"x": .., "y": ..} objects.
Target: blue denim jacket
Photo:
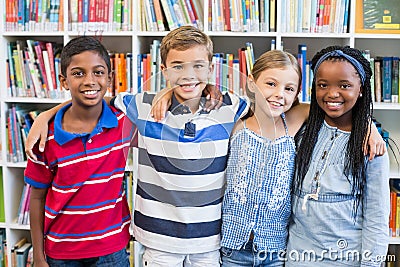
[{"x": 325, "y": 229}]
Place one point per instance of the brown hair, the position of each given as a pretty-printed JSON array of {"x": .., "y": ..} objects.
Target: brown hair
[{"x": 183, "y": 38}]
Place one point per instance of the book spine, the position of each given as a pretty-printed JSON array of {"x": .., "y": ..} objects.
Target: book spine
[
  {"x": 395, "y": 80},
  {"x": 387, "y": 79}
]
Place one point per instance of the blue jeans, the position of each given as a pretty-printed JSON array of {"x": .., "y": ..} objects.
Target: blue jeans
[
  {"x": 249, "y": 256},
  {"x": 116, "y": 259}
]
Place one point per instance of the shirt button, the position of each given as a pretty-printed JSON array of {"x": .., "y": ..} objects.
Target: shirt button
[
  {"x": 260, "y": 185},
  {"x": 90, "y": 141},
  {"x": 256, "y": 206}
]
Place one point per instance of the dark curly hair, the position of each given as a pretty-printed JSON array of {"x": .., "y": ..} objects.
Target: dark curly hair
[{"x": 355, "y": 161}]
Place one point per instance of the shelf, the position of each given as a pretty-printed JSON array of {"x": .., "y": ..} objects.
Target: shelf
[
  {"x": 101, "y": 33},
  {"x": 17, "y": 226},
  {"x": 32, "y": 34},
  {"x": 34, "y": 100},
  {"x": 16, "y": 164},
  {"x": 376, "y": 36},
  {"x": 317, "y": 35},
  {"x": 386, "y": 106},
  {"x": 241, "y": 34}
]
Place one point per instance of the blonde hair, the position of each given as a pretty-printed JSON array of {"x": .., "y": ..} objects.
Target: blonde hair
[
  {"x": 183, "y": 38},
  {"x": 275, "y": 59}
]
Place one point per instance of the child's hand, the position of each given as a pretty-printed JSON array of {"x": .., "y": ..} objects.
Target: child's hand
[
  {"x": 38, "y": 131},
  {"x": 375, "y": 146},
  {"x": 161, "y": 103},
  {"x": 213, "y": 96}
]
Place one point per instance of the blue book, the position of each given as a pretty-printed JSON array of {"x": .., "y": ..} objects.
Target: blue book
[
  {"x": 302, "y": 59},
  {"x": 139, "y": 72},
  {"x": 387, "y": 79}
]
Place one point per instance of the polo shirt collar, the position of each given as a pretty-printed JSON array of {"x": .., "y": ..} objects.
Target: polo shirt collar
[
  {"x": 107, "y": 120},
  {"x": 177, "y": 108}
]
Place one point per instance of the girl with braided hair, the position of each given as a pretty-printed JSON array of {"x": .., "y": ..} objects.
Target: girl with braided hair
[{"x": 340, "y": 200}]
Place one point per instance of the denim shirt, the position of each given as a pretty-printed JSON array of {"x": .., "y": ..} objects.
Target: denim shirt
[
  {"x": 257, "y": 198},
  {"x": 326, "y": 226}
]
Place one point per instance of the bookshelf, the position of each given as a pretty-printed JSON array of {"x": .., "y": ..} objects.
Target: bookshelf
[{"x": 135, "y": 41}]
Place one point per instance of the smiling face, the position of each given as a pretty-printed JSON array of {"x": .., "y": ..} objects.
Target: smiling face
[
  {"x": 188, "y": 72},
  {"x": 87, "y": 78},
  {"x": 277, "y": 90},
  {"x": 338, "y": 87}
]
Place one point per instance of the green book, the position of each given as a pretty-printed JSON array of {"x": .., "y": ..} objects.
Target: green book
[{"x": 2, "y": 216}]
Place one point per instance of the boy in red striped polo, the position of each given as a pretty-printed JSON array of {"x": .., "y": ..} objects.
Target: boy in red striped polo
[{"x": 78, "y": 210}]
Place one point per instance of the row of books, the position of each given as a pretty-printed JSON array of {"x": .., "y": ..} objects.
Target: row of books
[
  {"x": 162, "y": 15},
  {"x": 385, "y": 83},
  {"x": 34, "y": 15},
  {"x": 242, "y": 16},
  {"x": 315, "y": 16},
  {"x": 23, "y": 208},
  {"x": 122, "y": 67},
  {"x": 18, "y": 123},
  {"x": 3, "y": 248},
  {"x": 100, "y": 15},
  {"x": 83, "y": 15},
  {"x": 394, "y": 219},
  {"x": 22, "y": 253},
  {"x": 32, "y": 69}
]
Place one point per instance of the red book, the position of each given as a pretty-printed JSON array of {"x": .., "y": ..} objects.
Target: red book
[
  {"x": 39, "y": 47},
  {"x": 227, "y": 15},
  {"x": 50, "y": 51}
]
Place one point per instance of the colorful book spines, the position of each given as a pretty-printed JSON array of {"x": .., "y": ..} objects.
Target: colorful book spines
[
  {"x": 33, "y": 15},
  {"x": 386, "y": 78},
  {"x": 242, "y": 15},
  {"x": 176, "y": 12},
  {"x": 315, "y": 16},
  {"x": 100, "y": 15},
  {"x": 31, "y": 70}
]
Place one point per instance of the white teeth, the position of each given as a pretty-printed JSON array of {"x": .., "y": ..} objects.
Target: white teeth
[
  {"x": 276, "y": 104},
  {"x": 90, "y": 92},
  {"x": 188, "y": 85},
  {"x": 334, "y": 104}
]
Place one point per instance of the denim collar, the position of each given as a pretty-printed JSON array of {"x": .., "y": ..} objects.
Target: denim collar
[{"x": 107, "y": 120}]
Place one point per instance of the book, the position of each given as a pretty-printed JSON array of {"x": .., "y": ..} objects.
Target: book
[
  {"x": 22, "y": 254},
  {"x": 378, "y": 79},
  {"x": 387, "y": 79},
  {"x": 17, "y": 246},
  {"x": 272, "y": 15},
  {"x": 2, "y": 211},
  {"x": 302, "y": 59},
  {"x": 393, "y": 213},
  {"x": 395, "y": 80}
]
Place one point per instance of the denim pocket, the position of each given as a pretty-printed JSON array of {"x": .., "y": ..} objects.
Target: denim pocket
[{"x": 226, "y": 252}]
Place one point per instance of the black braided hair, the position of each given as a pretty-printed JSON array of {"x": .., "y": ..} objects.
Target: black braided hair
[{"x": 355, "y": 161}]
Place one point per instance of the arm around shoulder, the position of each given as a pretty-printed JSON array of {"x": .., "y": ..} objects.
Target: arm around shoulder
[{"x": 39, "y": 129}]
